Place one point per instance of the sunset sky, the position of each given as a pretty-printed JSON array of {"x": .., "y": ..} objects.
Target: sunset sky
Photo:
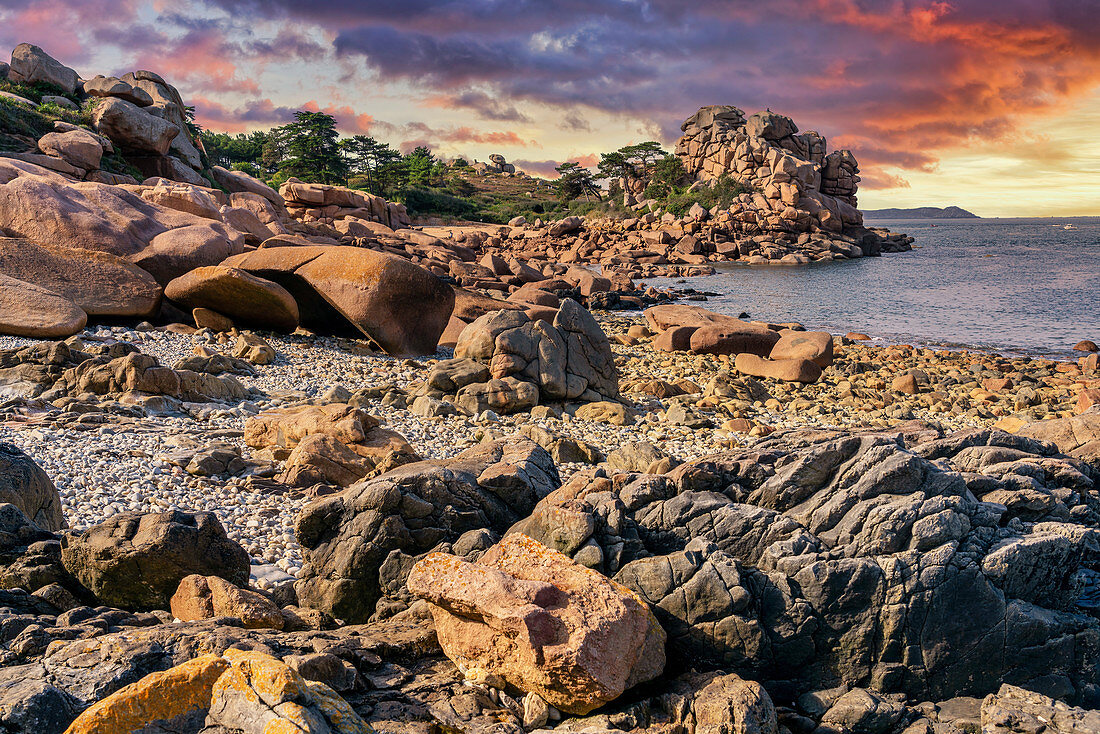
[{"x": 991, "y": 105}]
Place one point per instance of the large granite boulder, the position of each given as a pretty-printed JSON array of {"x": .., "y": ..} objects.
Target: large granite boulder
[
  {"x": 243, "y": 297},
  {"x": 132, "y": 128},
  {"x": 347, "y": 538},
  {"x": 99, "y": 283},
  {"x": 78, "y": 148},
  {"x": 25, "y": 485},
  {"x": 936, "y": 568},
  {"x": 43, "y": 206},
  {"x": 401, "y": 306},
  {"x": 30, "y": 310},
  {"x": 136, "y": 561},
  {"x": 541, "y": 622},
  {"x": 241, "y": 182},
  {"x": 111, "y": 86},
  {"x": 30, "y": 64}
]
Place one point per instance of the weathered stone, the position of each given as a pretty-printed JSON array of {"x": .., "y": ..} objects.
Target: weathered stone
[
  {"x": 25, "y": 485},
  {"x": 100, "y": 284},
  {"x": 542, "y": 622},
  {"x": 136, "y": 561},
  {"x": 30, "y": 310},
  {"x": 205, "y": 597},
  {"x": 30, "y": 64},
  {"x": 175, "y": 699},
  {"x": 346, "y": 538},
  {"x": 401, "y": 306},
  {"x": 243, "y": 297},
  {"x": 787, "y": 370}
]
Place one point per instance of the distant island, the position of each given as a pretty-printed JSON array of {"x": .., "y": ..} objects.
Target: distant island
[{"x": 920, "y": 212}]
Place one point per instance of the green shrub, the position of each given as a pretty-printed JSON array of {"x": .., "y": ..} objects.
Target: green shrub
[
  {"x": 724, "y": 192},
  {"x": 435, "y": 202},
  {"x": 250, "y": 168}
]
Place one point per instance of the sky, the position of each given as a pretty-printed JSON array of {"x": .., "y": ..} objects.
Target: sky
[{"x": 992, "y": 105}]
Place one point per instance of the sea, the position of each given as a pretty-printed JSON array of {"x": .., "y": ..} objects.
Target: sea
[{"x": 1017, "y": 287}]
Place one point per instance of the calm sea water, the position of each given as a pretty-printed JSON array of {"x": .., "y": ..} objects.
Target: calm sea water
[{"x": 1015, "y": 286}]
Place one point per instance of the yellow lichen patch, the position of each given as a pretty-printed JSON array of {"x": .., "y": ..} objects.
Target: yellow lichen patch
[
  {"x": 341, "y": 716},
  {"x": 157, "y": 696},
  {"x": 268, "y": 677}
]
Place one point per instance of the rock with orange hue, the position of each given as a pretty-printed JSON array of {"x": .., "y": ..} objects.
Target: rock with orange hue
[
  {"x": 1086, "y": 399},
  {"x": 669, "y": 315},
  {"x": 1077, "y": 436},
  {"x": 401, "y": 306},
  {"x": 259, "y": 693},
  {"x": 787, "y": 370},
  {"x": 735, "y": 337},
  {"x": 1086, "y": 346},
  {"x": 283, "y": 429},
  {"x": 816, "y": 346},
  {"x": 675, "y": 339},
  {"x": 27, "y": 309},
  {"x": 241, "y": 296},
  {"x": 542, "y": 622},
  {"x": 321, "y": 459},
  {"x": 179, "y": 697},
  {"x": 206, "y": 597},
  {"x": 43, "y": 206}
]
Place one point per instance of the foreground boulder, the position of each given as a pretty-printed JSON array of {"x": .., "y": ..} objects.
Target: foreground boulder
[
  {"x": 244, "y": 298},
  {"x": 542, "y": 622},
  {"x": 934, "y": 567},
  {"x": 100, "y": 284},
  {"x": 136, "y": 561},
  {"x": 237, "y": 691},
  {"x": 30, "y": 310},
  {"x": 401, "y": 306},
  {"x": 25, "y": 485},
  {"x": 356, "y": 544}
]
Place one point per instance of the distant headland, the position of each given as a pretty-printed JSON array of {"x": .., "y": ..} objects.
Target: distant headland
[{"x": 920, "y": 212}]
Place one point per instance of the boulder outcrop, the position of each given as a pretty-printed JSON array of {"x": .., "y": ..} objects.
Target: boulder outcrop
[
  {"x": 43, "y": 206},
  {"x": 100, "y": 284},
  {"x": 358, "y": 545},
  {"x": 136, "y": 561},
  {"x": 814, "y": 560},
  {"x": 542, "y": 622},
  {"x": 402, "y": 307},
  {"x": 507, "y": 362}
]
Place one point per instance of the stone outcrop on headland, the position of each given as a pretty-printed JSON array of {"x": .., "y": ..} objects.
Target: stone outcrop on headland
[{"x": 796, "y": 183}]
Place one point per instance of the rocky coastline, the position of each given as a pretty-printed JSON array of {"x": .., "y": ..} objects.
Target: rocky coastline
[{"x": 282, "y": 461}]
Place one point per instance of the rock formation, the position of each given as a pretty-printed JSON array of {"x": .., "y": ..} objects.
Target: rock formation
[{"x": 797, "y": 185}]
